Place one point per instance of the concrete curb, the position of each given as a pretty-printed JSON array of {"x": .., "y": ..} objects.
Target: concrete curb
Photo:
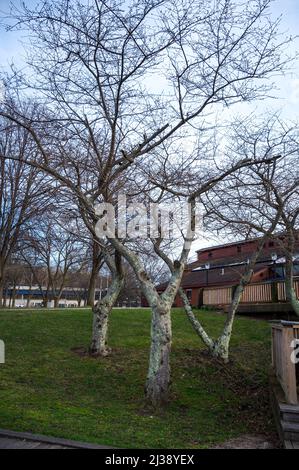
[{"x": 50, "y": 440}]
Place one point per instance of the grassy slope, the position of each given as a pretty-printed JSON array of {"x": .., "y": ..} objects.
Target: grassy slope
[{"x": 46, "y": 388}]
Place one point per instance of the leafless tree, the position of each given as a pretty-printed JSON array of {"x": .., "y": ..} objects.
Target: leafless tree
[
  {"x": 99, "y": 123},
  {"x": 24, "y": 192},
  {"x": 14, "y": 276},
  {"x": 266, "y": 194},
  {"x": 56, "y": 251}
]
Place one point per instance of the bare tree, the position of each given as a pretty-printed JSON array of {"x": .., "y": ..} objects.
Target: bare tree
[
  {"x": 24, "y": 192},
  {"x": 13, "y": 278},
  {"x": 103, "y": 126},
  {"x": 57, "y": 251},
  {"x": 268, "y": 194}
]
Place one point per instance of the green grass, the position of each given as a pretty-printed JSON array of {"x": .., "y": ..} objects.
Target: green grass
[{"x": 46, "y": 388}]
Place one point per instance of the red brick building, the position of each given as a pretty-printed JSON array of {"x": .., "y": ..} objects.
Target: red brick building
[{"x": 210, "y": 279}]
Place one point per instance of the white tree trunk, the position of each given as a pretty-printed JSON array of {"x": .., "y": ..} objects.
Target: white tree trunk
[
  {"x": 100, "y": 323},
  {"x": 101, "y": 314},
  {"x": 158, "y": 377},
  {"x": 195, "y": 323},
  {"x": 221, "y": 345}
]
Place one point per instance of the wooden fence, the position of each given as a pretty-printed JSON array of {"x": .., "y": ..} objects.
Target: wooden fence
[
  {"x": 282, "y": 291},
  {"x": 221, "y": 296},
  {"x": 283, "y": 333},
  {"x": 253, "y": 293},
  {"x": 256, "y": 293}
]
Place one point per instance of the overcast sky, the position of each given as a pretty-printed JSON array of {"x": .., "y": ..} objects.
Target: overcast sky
[{"x": 287, "y": 102}]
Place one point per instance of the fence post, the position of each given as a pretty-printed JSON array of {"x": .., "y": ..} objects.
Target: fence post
[
  {"x": 274, "y": 292},
  {"x": 289, "y": 368}
]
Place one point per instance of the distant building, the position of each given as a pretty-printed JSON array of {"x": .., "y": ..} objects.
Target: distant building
[
  {"x": 34, "y": 297},
  {"x": 212, "y": 278}
]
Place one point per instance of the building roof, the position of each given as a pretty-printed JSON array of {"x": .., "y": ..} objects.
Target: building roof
[
  {"x": 237, "y": 242},
  {"x": 216, "y": 277},
  {"x": 223, "y": 245}
]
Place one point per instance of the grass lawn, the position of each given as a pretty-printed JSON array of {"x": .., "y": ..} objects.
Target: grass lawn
[{"x": 46, "y": 388}]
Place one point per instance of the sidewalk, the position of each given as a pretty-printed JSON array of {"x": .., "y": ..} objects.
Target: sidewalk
[{"x": 24, "y": 440}]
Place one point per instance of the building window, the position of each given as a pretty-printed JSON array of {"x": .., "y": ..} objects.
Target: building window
[
  {"x": 210, "y": 254},
  {"x": 239, "y": 248},
  {"x": 271, "y": 244},
  {"x": 222, "y": 272}
]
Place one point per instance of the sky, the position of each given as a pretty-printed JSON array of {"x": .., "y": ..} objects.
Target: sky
[{"x": 287, "y": 96}]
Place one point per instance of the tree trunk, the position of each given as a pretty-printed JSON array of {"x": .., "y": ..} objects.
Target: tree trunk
[
  {"x": 14, "y": 293},
  {"x": 158, "y": 377},
  {"x": 1, "y": 293},
  {"x": 96, "y": 265},
  {"x": 101, "y": 314},
  {"x": 195, "y": 323},
  {"x": 221, "y": 345},
  {"x": 289, "y": 284},
  {"x": 92, "y": 289},
  {"x": 29, "y": 296},
  {"x": 4, "y": 304}
]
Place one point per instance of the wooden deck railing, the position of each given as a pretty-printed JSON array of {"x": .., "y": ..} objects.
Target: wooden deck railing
[
  {"x": 262, "y": 292},
  {"x": 217, "y": 296},
  {"x": 283, "y": 333},
  {"x": 282, "y": 291}
]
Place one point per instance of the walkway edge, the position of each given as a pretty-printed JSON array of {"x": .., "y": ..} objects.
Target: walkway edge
[{"x": 51, "y": 440}]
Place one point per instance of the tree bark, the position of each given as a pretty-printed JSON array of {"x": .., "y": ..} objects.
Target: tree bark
[
  {"x": 195, "y": 323},
  {"x": 291, "y": 296},
  {"x": 1, "y": 293},
  {"x": 92, "y": 289},
  {"x": 158, "y": 377},
  {"x": 2, "y": 296},
  {"x": 96, "y": 265},
  {"x": 221, "y": 345},
  {"x": 101, "y": 314},
  {"x": 14, "y": 294}
]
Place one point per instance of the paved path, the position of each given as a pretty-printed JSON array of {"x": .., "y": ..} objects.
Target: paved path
[
  {"x": 21, "y": 440},
  {"x": 13, "y": 443}
]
